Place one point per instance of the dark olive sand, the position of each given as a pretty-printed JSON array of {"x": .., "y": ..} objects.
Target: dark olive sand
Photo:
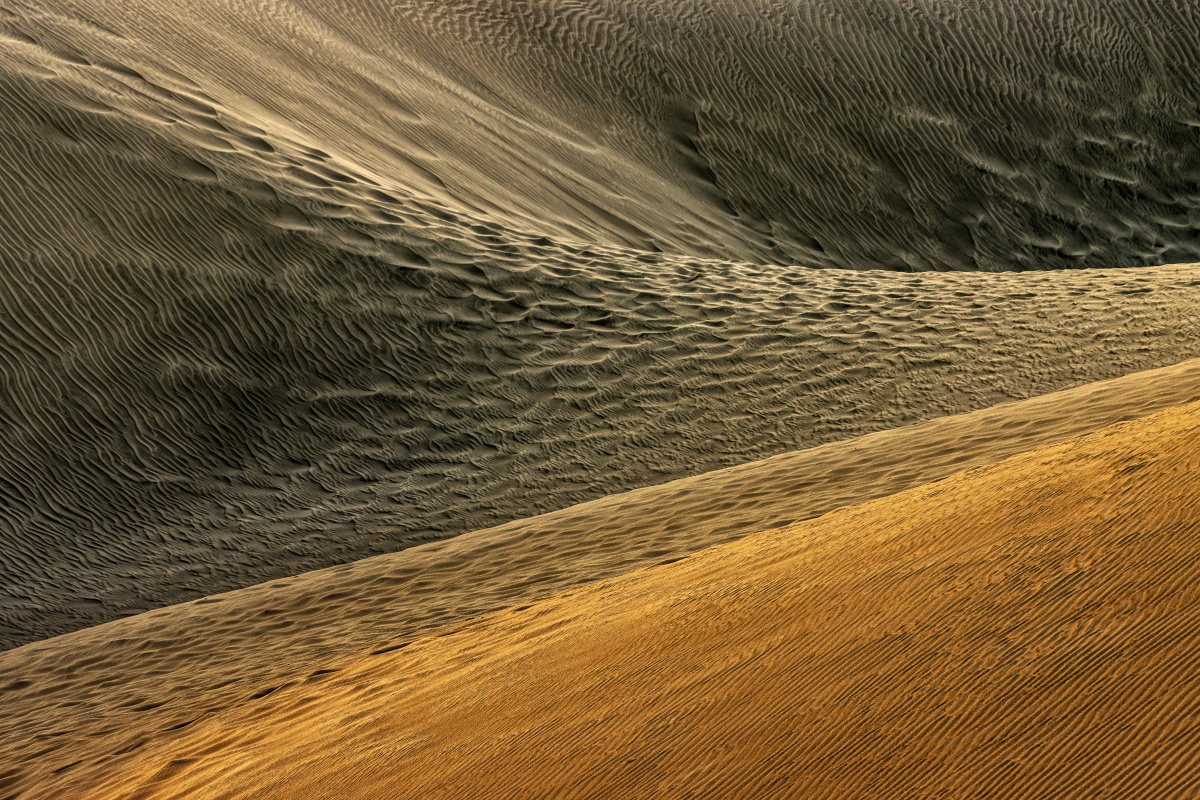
[{"x": 288, "y": 284}]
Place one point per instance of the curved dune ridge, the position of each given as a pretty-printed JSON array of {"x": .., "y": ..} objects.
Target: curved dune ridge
[
  {"x": 1024, "y": 630},
  {"x": 287, "y": 284},
  {"x": 931, "y": 135},
  {"x": 147, "y": 677}
]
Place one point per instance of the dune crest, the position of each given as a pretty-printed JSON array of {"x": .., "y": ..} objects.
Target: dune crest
[
  {"x": 1021, "y": 630},
  {"x": 215, "y": 653}
]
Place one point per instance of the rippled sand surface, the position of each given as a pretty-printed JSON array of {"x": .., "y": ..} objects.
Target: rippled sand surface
[
  {"x": 601, "y": 398},
  {"x": 147, "y": 676},
  {"x": 1019, "y": 630},
  {"x": 288, "y": 284}
]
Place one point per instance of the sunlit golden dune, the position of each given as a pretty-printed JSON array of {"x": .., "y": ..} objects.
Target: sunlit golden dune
[
  {"x": 155, "y": 673},
  {"x": 1027, "y": 629}
]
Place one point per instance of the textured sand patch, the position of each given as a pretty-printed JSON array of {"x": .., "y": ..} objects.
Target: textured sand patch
[
  {"x": 1027, "y": 629},
  {"x": 143, "y": 678}
]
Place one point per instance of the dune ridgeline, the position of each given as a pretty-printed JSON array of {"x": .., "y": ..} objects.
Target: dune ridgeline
[{"x": 654, "y": 398}]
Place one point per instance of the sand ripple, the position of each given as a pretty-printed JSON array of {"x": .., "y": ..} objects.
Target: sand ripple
[
  {"x": 1023, "y": 630},
  {"x": 151, "y": 675}
]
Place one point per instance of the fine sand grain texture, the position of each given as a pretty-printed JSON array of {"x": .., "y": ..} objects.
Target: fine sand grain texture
[
  {"x": 286, "y": 284},
  {"x": 1025, "y": 630},
  {"x": 146, "y": 677},
  {"x": 607, "y": 399}
]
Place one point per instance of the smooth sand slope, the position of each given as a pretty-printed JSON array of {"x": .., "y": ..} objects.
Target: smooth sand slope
[
  {"x": 288, "y": 284},
  {"x": 89, "y": 702},
  {"x": 1024, "y": 630}
]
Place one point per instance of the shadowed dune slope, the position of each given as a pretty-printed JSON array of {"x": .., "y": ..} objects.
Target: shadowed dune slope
[
  {"x": 1024, "y": 630},
  {"x": 284, "y": 284},
  {"x": 849, "y": 133},
  {"x": 144, "y": 678}
]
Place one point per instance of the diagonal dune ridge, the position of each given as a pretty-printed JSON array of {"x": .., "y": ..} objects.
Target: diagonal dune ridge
[
  {"x": 291, "y": 283},
  {"x": 84, "y": 704},
  {"x": 1027, "y": 629}
]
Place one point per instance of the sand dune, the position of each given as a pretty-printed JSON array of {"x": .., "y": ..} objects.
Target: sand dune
[
  {"x": 288, "y": 284},
  {"x": 284, "y": 284},
  {"x": 1020, "y": 630},
  {"x": 853, "y": 134},
  {"x": 146, "y": 676}
]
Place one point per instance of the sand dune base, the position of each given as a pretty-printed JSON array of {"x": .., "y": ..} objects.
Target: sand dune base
[
  {"x": 156, "y": 673},
  {"x": 1022, "y": 630}
]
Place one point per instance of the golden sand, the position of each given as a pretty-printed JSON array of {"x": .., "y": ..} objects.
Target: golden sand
[
  {"x": 1027, "y": 629},
  {"x": 151, "y": 675}
]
